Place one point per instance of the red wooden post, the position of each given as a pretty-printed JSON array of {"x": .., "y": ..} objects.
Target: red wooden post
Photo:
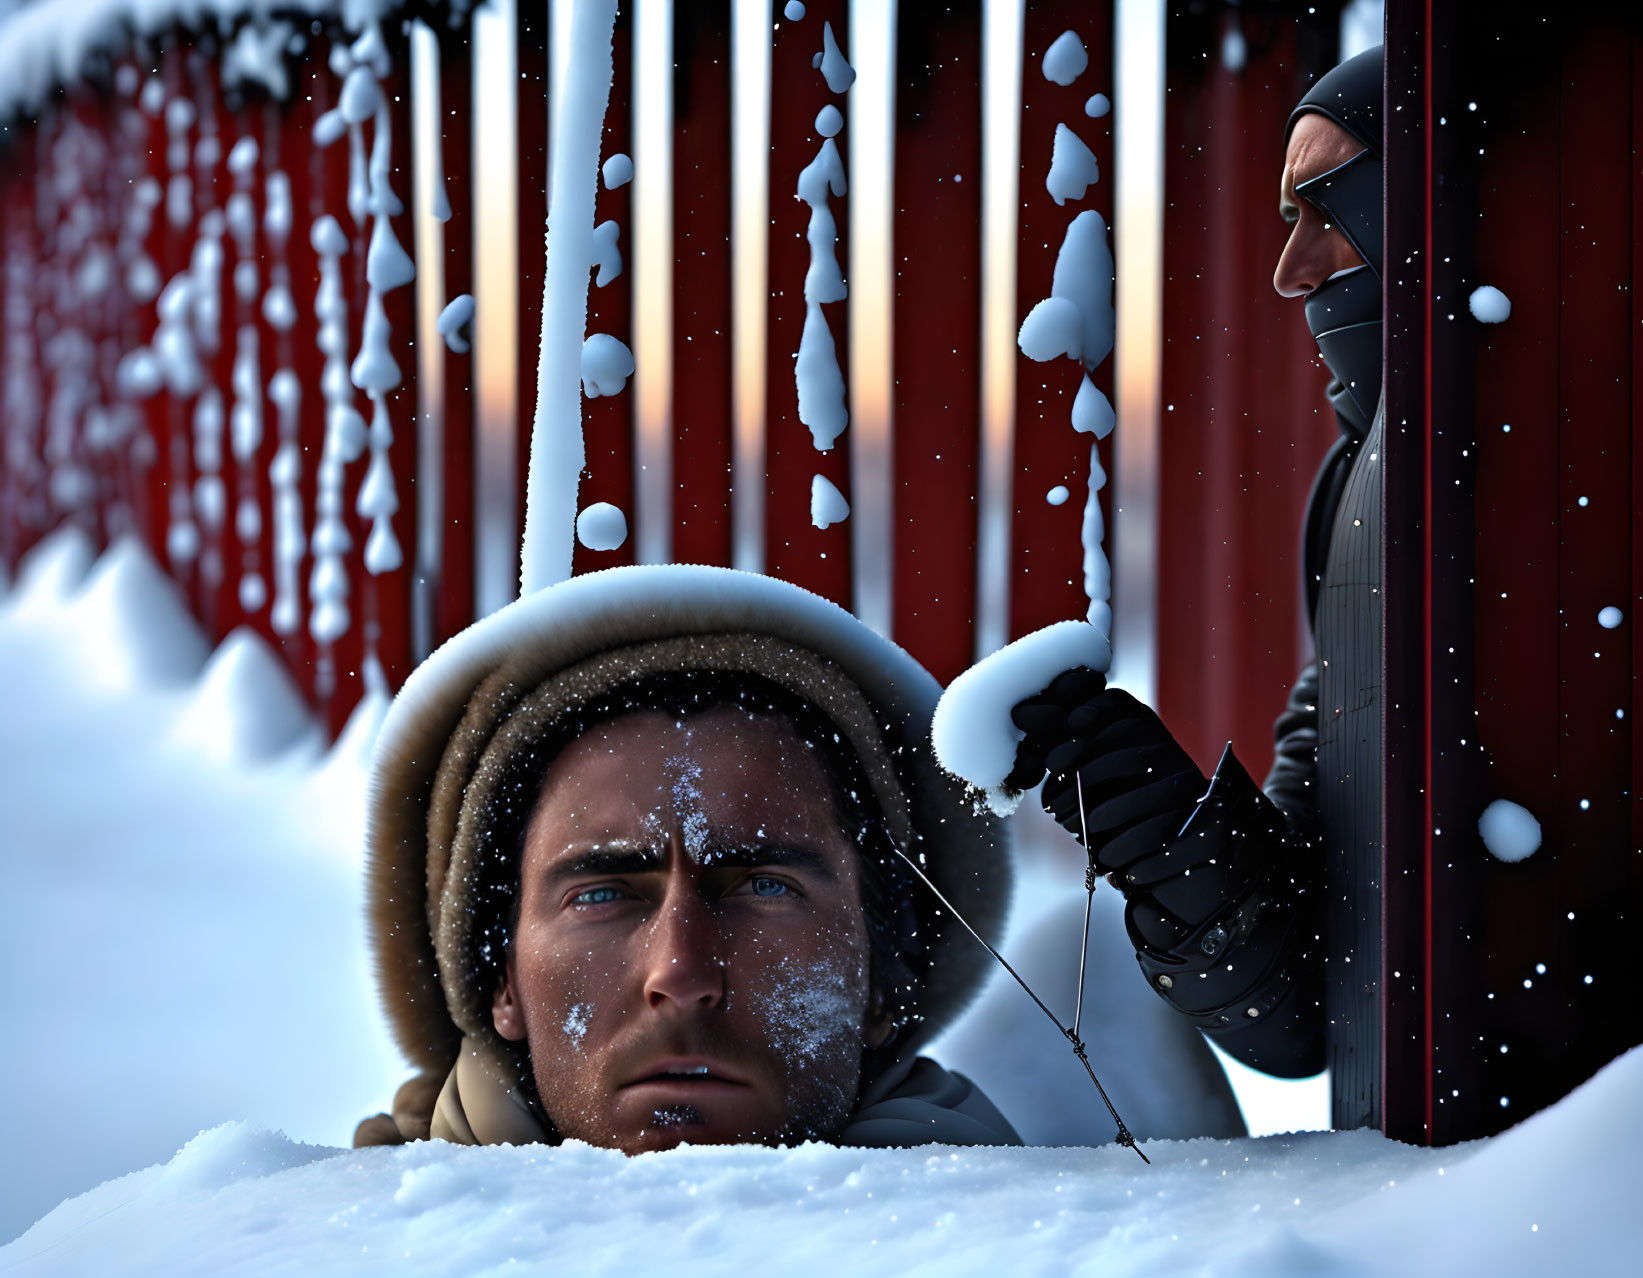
[
  {"x": 701, "y": 283},
  {"x": 937, "y": 334}
]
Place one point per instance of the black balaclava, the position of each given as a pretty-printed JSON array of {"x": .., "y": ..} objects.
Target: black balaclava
[{"x": 1344, "y": 313}]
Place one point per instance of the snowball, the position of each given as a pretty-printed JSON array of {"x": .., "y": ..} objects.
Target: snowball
[
  {"x": 1098, "y": 106},
  {"x": 607, "y": 256},
  {"x": 827, "y": 503},
  {"x": 1610, "y": 617},
  {"x": 1509, "y": 831},
  {"x": 838, "y": 73},
  {"x": 829, "y": 120},
  {"x": 1072, "y": 167},
  {"x": 1065, "y": 59},
  {"x": 607, "y": 364},
  {"x": 455, "y": 323},
  {"x": 387, "y": 264},
  {"x": 1052, "y": 328},
  {"x": 1489, "y": 305},
  {"x": 1092, "y": 410},
  {"x": 793, "y": 11},
  {"x": 602, "y": 526},
  {"x": 618, "y": 171},
  {"x": 1058, "y": 495},
  {"x": 974, "y": 736},
  {"x": 820, "y": 383}
]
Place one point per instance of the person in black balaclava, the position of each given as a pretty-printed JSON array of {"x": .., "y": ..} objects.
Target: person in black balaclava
[{"x": 1242, "y": 898}]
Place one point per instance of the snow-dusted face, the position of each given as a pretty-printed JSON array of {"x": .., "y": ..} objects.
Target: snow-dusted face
[{"x": 691, "y": 962}]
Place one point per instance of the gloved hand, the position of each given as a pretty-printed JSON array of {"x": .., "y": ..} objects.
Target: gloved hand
[
  {"x": 1206, "y": 866},
  {"x": 1139, "y": 786}
]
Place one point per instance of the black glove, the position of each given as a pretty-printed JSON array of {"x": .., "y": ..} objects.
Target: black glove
[{"x": 1208, "y": 867}]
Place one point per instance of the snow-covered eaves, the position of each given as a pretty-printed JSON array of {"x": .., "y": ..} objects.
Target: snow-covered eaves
[{"x": 46, "y": 45}]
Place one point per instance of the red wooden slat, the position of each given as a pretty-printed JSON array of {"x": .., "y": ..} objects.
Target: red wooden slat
[
  {"x": 454, "y": 600},
  {"x": 608, "y": 422},
  {"x": 701, "y": 284},
  {"x": 794, "y": 549},
  {"x": 1046, "y": 575},
  {"x": 1245, "y": 421},
  {"x": 937, "y": 334}
]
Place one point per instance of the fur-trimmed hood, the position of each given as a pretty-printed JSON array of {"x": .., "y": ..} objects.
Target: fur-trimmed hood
[{"x": 419, "y": 765}]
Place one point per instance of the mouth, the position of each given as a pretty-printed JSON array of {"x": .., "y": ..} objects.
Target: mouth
[{"x": 686, "y": 1076}]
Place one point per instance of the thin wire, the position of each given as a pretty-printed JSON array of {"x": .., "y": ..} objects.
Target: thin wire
[
  {"x": 1089, "y": 901},
  {"x": 1124, "y": 1137}
]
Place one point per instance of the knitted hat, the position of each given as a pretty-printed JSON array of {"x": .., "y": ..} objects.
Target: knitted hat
[{"x": 512, "y": 680}]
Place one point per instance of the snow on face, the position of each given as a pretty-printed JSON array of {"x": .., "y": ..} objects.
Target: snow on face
[
  {"x": 1065, "y": 59},
  {"x": 1509, "y": 831},
  {"x": 690, "y": 878},
  {"x": 1489, "y": 305}
]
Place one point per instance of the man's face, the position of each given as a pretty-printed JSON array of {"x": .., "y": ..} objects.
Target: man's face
[
  {"x": 1316, "y": 248},
  {"x": 691, "y": 962}
]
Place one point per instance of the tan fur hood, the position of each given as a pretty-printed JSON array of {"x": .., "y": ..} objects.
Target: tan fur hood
[{"x": 429, "y": 748}]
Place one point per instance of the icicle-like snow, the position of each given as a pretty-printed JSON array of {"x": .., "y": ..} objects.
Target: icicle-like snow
[
  {"x": 557, "y": 451},
  {"x": 838, "y": 73},
  {"x": 344, "y": 436},
  {"x": 1072, "y": 167},
  {"x": 827, "y": 503},
  {"x": 607, "y": 254},
  {"x": 285, "y": 474},
  {"x": 817, "y": 376},
  {"x": 455, "y": 323},
  {"x": 1097, "y": 572},
  {"x": 607, "y": 363}
]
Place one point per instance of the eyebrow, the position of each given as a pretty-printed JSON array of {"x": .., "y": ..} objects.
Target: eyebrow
[{"x": 634, "y": 858}]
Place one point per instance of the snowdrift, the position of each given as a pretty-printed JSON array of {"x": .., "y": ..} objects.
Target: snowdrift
[{"x": 1553, "y": 1195}]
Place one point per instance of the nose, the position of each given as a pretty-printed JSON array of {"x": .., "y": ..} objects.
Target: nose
[
  {"x": 684, "y": 974},
  {"x": 1304, "y": 264}
]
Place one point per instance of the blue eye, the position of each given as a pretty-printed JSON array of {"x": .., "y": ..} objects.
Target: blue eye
[
  {"x": 762, "y": 885},
  {"x": 596, "y": 896}
]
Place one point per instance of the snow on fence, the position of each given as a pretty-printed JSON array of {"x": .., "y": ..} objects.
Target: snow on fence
[{"x": 272, "y": 292}]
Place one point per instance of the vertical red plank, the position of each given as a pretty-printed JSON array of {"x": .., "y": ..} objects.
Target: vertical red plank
[
  {"x": 795, "y": 550},
  {"x": 1595, "y": 342},
  {"x": 454, "y": 604},
  {"x": 1245, "y": 422},
  {"x": 608, "y": 422},
  {"x": 701, "y": 284},
  {"x": 937, "y": 333}
]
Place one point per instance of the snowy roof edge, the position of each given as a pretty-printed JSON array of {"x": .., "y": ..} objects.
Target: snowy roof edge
[{"x": 44, "y": 46}]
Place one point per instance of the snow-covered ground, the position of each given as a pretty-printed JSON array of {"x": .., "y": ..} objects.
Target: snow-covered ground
[{"x": 1556, "y": 1195}]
